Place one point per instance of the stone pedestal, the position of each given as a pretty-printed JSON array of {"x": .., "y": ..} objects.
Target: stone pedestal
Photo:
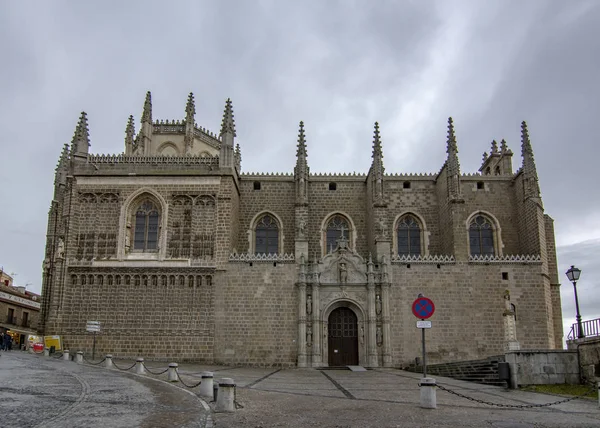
[
  {"x": 428, "y": 393},
  {"x": 79, "y": 357},
  {"x": 383, "y": 247},
  {"x": 301, "y": 248},
  {"x": 139, "y": 366},
  {"x": 108, "y": 362},
  {"x": 225, "y": 398},
  {"x": 172, "y": 373},
  {"x": 206, "y": 387}
]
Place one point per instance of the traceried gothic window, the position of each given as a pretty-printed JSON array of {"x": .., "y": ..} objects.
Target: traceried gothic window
[
  {"x": 145, "y": 236},
  {"x": 337, "y": 226},
  {"x": 409, "y": 236},
  {"x": 481, "y": 236},
  {"x": 267, "y": 235}
]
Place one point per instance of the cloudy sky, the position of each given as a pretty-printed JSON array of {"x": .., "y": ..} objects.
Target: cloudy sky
[{"x": 337, "y": 65}]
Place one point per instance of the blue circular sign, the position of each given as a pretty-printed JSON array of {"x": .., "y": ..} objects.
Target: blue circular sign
[{"x": 423, "y": 308}]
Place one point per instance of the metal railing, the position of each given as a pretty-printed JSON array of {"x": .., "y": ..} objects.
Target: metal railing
[{"x": 591, "y": 328}]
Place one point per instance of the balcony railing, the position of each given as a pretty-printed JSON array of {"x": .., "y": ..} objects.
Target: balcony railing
[
  {"x": 591, "y": 328},
  {"x": 11, "y": 320}
]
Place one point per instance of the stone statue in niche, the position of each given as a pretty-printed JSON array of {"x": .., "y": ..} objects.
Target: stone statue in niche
[
  {"x": 309, "y": 336},
  {"x": 381, "y": 228},
  {"x": 343, "y": 269},
  {"x": 301, "y": 228},
  {"x": 510, "y": 325},
  {"x": 60, "y": 252},
  {"x": 379, "y": 336},
  {"x": 309, "y": 304},
  {"x": 361, "y": 337},
  {"x": 378, "y": 304},
  {"x": 128, "y": 236}
]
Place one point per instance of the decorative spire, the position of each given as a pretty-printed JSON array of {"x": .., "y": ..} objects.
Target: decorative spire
[
  {"x": 228, "y": 124},
  {"x": 129, "y": 135},
  {"x": 503, "y": 146},
  {"x": 377, "y": 151},
  {"x": 451, "y": 146},
  {"x": 301, "y": 171},
  {"x": 453, "y": 173},
  {"x": 61, "y": 166},
  {"x": 494, "y": 148},
  {"x": 301, "y": 151},
  {"x": 81, "y": 139},
  {"x": 531, "y": 178},
  {"x": 190, "y": 109},
  {"x": 485, "y": 156},
  {"x": 147, "y": 113},
  {"x": 238, "y": 157},
  {"x": 377, "y": 168},
  {"x": 226, "y": 154}
]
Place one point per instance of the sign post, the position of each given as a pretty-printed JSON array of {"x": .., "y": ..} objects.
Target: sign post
[
  {"x": 93, "y": 327},
  {"x": 423, "y": 308}
]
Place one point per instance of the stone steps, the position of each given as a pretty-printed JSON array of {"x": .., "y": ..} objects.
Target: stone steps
[{"x": 483, "y": 371}]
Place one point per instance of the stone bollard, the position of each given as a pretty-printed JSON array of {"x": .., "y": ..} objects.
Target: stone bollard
[
  {"x": 79, "y": 357},
  {"x": 206, "y": 387},
  {"x": 66, "y": 355},
  {"x": 172, "y": 372},
  {"x": 108, "y": 363},
  {"x": 139, "y": 366},
  {"x": 226, "y": 396},
  {"x": 428, "y": 394},
  {"x": 46, "y": 352}
]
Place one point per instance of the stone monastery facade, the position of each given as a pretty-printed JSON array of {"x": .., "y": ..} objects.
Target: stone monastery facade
[{"x": 180, "y": 255}]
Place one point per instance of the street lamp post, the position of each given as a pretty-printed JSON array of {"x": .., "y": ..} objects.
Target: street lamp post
[{"x": 573, "y": 275}]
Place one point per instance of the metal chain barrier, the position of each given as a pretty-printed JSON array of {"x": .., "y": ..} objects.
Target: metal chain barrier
[
  {"x": 123, "y": 369},
  {"x": 518, "y": 406},
  {"x": 154, "y": 373},
  {"x": 185, "y": 384},
  {"x": 57, "y": 355},
  {"x": 92, "y": 363}
]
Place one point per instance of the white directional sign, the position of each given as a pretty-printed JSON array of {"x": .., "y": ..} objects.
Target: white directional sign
[
  {"x": 423, "y": 324},
  {"x": 93, "y": 326}
]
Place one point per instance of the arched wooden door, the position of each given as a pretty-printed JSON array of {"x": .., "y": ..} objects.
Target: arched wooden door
[{"x": 343, "y": 338}]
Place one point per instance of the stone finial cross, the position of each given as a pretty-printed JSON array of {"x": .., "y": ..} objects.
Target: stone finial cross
[{"x": 342, "y": 228}]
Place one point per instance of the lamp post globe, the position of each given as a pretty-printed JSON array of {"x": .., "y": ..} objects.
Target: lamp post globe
[{"x": 573, "y": 275}]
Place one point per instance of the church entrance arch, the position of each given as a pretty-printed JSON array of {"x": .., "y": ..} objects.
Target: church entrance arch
[{"x": 343, "y": 337}]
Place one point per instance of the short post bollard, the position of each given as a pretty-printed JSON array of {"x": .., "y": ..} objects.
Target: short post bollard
[
  {"x": 66, "y": 355},
  {"x": 46, "y": 352},
  {"x": 108, "y": 363},
  {"x": 79, "y": 357},
  {"x": 225, "y": 398},
  {"x": 598, "y": 385},
  {"x": 206, "y": 387},
  {"x": 172, "y": 372},
  {"x": 139, "y": 366},
  {"x": 428, "y": 393}
]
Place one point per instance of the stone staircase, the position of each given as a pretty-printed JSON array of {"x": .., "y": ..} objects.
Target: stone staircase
[{"x": 483, "y": 371}]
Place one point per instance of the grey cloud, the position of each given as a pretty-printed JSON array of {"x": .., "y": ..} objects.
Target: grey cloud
[{"x": 339, "y": 66}]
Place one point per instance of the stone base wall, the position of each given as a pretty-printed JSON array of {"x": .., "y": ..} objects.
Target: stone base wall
[
  {"x": 468, "y": 320},
  {"x": 256, "y": 315},
  {"x": 589, "y": 356},
  {"x": 140, "y": 318},
  {"x": 543, "y": 367}
]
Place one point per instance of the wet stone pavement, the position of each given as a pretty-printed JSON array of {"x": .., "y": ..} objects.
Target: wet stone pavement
[{"x": 40, "y": 391}]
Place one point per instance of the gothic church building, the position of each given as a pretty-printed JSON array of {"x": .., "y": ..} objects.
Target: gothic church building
[{"x": 182, "y": 256}]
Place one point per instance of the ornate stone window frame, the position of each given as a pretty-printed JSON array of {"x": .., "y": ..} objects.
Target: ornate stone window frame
[
  {"x": 424, "y": 232},
  {"x": 351, "y": 233},
  {"x": 252, "y": 231},
  {"x": 496, "y": 231},
  {"x": 126, "y": 225}
]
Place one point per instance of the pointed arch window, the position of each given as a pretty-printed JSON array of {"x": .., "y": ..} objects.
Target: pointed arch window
[
  {"x": 267, "y": 235},
  {"x": 337, "y": 226},
  {"x": 147, "y": 220},
  {"x": 409, "y": 236},
  {"x": 481, "y": 236}
]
